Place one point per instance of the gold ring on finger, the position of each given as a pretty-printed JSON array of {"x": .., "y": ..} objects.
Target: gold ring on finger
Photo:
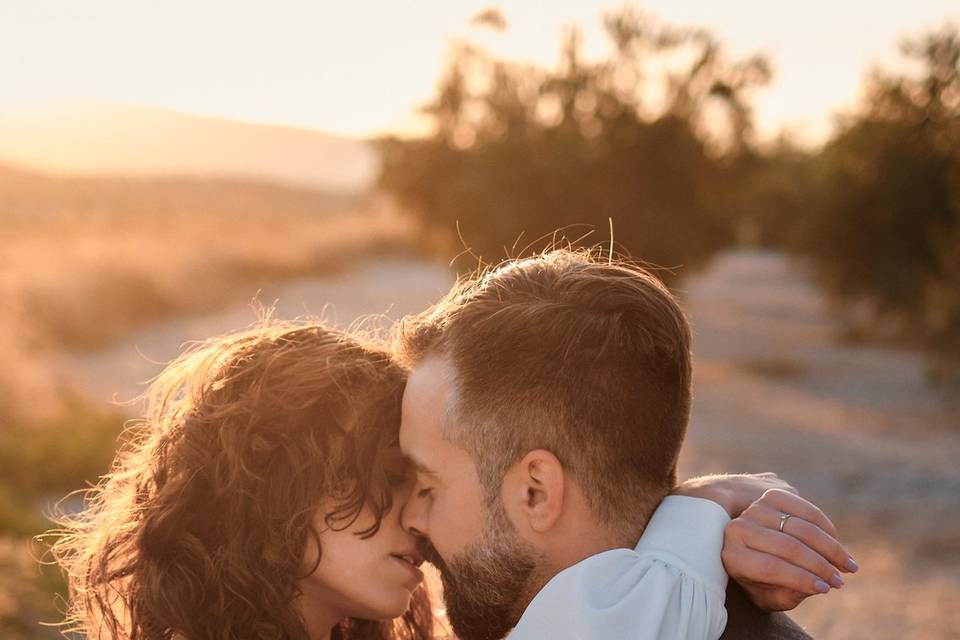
[{"x": 783, "y": 520}]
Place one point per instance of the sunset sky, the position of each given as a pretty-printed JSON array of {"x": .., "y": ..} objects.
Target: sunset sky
[{"x": 359, "y": 67}]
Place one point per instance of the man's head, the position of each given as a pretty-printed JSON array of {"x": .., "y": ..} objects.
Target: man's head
[{"x": 546, "y": 404}]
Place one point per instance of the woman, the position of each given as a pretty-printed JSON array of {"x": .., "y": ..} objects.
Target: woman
[{"x": 255, "y": 500}]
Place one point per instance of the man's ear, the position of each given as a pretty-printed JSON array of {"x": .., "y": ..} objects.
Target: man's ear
[{"x": 534, "y": 490}]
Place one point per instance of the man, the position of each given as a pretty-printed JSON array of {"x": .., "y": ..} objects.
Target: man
[{"x": 544, "y": 415}]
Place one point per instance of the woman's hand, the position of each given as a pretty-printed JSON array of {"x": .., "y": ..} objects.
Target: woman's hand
[{"x": 783, "y": 549}]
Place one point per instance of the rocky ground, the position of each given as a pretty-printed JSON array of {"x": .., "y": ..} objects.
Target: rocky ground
[{"x": 857, "y": 429}]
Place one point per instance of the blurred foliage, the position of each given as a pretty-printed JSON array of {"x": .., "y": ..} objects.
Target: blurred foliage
[
  {"x": 40, "y": 463},
  {"x": 43, "y": 461},
  {"x": 877, "y": 209},
  {"x": 774, "y": 195},
  {"x": 30, "y": 593},
  {"x": 520, "y": 151},
  {"x": 885, "y": 228}
]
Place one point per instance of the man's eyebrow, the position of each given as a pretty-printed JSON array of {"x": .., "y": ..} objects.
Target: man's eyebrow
[{"x": 420, "y": 466}]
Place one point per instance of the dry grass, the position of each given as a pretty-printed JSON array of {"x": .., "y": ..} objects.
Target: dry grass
[
  {"x": 895, "y": 596},
  {"x": 84, "y": 262}
]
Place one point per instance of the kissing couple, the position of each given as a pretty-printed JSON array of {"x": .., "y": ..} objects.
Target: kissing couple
[{"x": 522, "y": 435}]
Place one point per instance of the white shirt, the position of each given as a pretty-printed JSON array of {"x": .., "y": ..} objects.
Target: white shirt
[{"x": 671, "y": 586}]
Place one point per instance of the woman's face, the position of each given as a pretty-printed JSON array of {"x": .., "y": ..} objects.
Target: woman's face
[{"x": 371, "y": 578}]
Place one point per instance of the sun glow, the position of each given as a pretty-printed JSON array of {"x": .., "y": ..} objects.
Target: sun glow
[{"x": 361, "y": 68}]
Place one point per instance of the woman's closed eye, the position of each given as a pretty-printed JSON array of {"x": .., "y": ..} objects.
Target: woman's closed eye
[
  {"x": 395, "y": 479},
  {"x": 398, "y": 475},
  {"x": 396, "y": 471}
]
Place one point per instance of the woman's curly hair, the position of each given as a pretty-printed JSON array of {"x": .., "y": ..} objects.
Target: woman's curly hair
[{"x": 200, "y": 529}]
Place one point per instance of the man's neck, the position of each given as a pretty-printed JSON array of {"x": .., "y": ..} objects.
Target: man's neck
[{"x": 573, "y": 551}]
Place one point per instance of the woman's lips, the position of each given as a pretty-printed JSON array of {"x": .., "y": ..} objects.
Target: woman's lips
[{"x": 410, "y": 563}]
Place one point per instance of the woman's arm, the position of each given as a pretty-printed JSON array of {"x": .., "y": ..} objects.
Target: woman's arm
[{"x": 778, "y": 567}]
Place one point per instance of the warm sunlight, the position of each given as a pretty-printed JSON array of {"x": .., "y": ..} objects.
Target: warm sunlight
[
  {"x": 358, "y": 68},
  {"x": 305, "y": 304}
]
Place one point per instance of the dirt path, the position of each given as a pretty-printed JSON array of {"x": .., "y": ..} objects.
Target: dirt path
[{"x": 856, "y": 429}]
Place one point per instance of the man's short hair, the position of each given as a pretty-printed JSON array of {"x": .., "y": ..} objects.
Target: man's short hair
[{"x": 586, "y": 357}]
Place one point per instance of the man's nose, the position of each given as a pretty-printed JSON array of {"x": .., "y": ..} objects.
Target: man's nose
[{"x": 413, "y": 517}]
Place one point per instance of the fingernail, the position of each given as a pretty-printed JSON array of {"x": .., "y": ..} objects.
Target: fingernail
[
  {"x": 836, "y": 581},
  {"x": 851, "y": 565},
  {"x": 821, "y": 586}
]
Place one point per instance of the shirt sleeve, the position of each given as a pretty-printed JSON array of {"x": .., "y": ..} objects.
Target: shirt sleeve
[
  {"x": 671, "y": 586},
  {"x": 683, "y": 540}
]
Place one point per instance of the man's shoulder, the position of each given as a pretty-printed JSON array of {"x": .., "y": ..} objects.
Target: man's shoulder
[{"x": 747, "y": 622}]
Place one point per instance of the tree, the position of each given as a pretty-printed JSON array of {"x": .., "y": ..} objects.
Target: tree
[
  {"x": 884, "y": 225},
  {"x": 519, "y": 152}
]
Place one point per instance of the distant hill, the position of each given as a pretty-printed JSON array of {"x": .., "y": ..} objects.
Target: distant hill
[
  {"x": 101, "y": 139},
  {"x": 28, "y": 196}
]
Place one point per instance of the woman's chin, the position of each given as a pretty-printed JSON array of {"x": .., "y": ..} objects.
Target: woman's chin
[
  {"x": 396, "y": 608},
  {"x": 386, "y": 609}
]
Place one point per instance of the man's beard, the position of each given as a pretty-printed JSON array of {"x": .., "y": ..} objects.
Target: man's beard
[{"x": 483, "y": 584}]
